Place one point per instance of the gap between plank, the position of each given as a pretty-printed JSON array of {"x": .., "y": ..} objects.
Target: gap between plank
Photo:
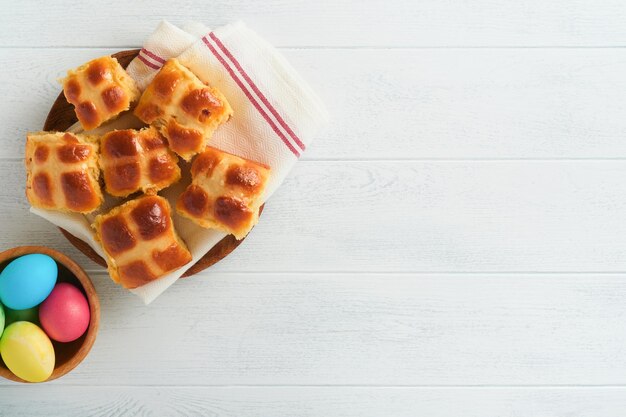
[
  {"x": 333, "y": 386},
  {"x": 346, "y": 47}
]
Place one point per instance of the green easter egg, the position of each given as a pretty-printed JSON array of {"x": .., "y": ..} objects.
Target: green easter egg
[{"x": 29, "y": 314}]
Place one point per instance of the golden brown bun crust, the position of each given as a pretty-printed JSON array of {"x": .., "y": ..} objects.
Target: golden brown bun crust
[
  {"x": 225, "y": 193},
  {"x": 99, "y": 90},
  {"x": 62, "y": 172},
  {"x": 185, "y": 110},
  {"x": 140, "y": 241},
  {"x": 137, "y": 160}
]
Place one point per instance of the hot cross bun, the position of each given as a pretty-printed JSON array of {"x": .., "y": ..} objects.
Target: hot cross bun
[
  {"x": 134, "y": 160},
  {"x": 225, "y": 192},
  {"x": 185, "y": 110},
  {"x": 140, "y": 241},
  {"x": 62, "y": 172},
  {"x": 99, "y": 91}
]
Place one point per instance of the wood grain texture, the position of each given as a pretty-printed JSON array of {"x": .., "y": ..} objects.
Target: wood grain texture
[
  {"x": 408, "y": 104},
  {"x": 454, "y": 216},
  {"x": 314, "y": 401},
  {"x": 363, "y": 329},
  {"x": 327, "y": 23}
]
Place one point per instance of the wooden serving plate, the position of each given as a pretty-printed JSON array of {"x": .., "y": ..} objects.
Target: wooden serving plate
[
  {"x": 67, "y": 355},
  {"x": 61, "y": 117}
]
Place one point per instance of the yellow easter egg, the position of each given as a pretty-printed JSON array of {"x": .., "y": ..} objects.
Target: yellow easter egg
[{"x": 27, "y": 351}]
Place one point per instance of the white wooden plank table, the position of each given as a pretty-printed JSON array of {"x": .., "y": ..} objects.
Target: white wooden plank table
[{"x": 454, "y": 244}]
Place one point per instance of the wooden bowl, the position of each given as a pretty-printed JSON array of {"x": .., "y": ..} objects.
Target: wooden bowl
[
  {"x": 67, "y": 355},
  {"x": 61, "y": 117}
]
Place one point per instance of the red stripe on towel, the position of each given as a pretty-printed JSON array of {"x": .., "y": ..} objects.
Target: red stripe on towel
[
  {"x": 257, "y": 91},
  {"x": 153, "y": 56},
  {"x": 250, "y": 97},
  {"x": 148, "y": 63}
]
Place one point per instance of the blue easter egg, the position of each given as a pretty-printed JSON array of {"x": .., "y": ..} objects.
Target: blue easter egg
[{"x": 27, "y": 281}]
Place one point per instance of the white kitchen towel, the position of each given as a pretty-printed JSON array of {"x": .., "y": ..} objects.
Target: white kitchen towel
[{"x": 276, "y": 115}]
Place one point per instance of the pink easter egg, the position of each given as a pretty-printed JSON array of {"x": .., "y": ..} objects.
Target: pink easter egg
[{"x": 64, "y": 315}]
